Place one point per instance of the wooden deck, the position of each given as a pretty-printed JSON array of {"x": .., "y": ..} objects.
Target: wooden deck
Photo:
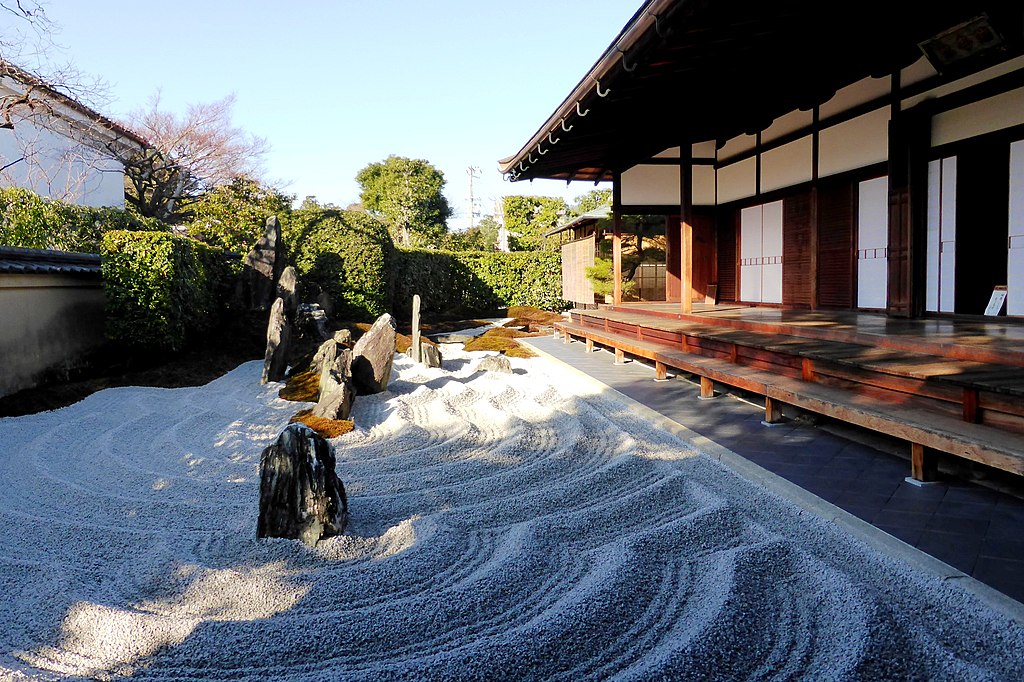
[{"x": 955, "y": 386}]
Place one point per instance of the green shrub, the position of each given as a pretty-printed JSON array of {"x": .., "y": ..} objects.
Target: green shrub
[
  {"x": 161, "y": 289},
  {"x": 34, "y": 222},
  {"x": 346, "y": 254},
  {"x": 475, "y": 282}
]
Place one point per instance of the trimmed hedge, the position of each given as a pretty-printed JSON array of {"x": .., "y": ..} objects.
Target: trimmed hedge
[
  {"x": 475, "y": 282},
  {"x": 34, "y": 222},
  {"x": 162, "y": 289},
  {"x": 347, "y": 254}
]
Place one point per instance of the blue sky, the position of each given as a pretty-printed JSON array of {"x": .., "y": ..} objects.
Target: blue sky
[{"x": 335, "y": 86}]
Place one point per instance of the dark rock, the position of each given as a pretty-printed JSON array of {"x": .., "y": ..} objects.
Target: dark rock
[
  {"x": 336, "y": 395},
  {"x": 301, "y": 496},
  {"x": 279, "y": 335},
  {"x": 373, "y": 355},
  {"x": 262, "y": 268},
  {"x": 312, "y": 320},
  {"x": 287, "y": 288},
  {"x": 495, "y": 363}
]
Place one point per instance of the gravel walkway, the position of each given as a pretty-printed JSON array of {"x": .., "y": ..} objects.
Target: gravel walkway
[{"x": 503, "y": 527}]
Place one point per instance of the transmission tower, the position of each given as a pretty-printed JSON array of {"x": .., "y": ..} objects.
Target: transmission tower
[{"x": 473, "y": 172}]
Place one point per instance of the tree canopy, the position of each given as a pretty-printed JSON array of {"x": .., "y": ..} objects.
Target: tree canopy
[
  {"x": 595, "y": 198},
  {"x": 190, "y": 155},
  {"x": 406, "y": 194},
  {"x": 233, "y": 216},
  {"x": 528, "y": 218}
]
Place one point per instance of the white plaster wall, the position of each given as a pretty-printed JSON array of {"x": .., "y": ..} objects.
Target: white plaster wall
[
  {"x": 1006, "y": 67},
  {"x": 737, "y": 145},
  {"x": 995, "y": 113},
  {"x": 856, "y": 143},
  {"x": 53, "y": 165},
  {"x": 704, "y": 193},
  {"x": 704, "y": 150},
  {"x": 857, "y": 93},
  {"x": 651, "y": 186},
  {"x": 1015, "y": 253},
  {"x": 737, "y": 181},
  {"x": 670, "y": 153},
  {"x": 917, "y": 72},
  {"x": 787, "y": 165},
  {"x": 786, "y": 124}
]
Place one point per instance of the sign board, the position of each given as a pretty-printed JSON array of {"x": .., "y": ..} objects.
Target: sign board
[{"x": 996, "y": 302}]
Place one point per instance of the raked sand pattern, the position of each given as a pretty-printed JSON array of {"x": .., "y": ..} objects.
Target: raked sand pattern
[{"x": 503, "y": 527}]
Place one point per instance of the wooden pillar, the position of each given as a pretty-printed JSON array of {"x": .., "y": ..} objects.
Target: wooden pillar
[
  {"x": 660, "y": 371},
  {"x": 686, "y": 228},
  {"x": 923, "y": 464},
  {"x": 590, "y": 345},
  {"x": 617, "y": 239},
  {"x": 772, "y": 412},
  {"x": 813, "y": 246},
  {"x": 707, "y": 389},
  {"x": 620, "y": 357}
]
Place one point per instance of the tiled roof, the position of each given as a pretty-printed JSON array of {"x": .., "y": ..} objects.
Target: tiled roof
[{"x": 44, "y": 261}]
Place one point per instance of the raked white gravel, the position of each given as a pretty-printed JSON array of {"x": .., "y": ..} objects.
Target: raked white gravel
[{"x": 503, "y": 527}]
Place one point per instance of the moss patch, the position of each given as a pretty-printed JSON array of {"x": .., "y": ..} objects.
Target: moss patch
[
  {"x": 301, "y": 388},
  {"x": 524, "y": 315},
  {"x": 503, "y": 344},
  {"x": 328, "y": 428}
]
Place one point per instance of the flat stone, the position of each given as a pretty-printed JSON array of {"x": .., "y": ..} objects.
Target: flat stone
[{"x": 495, "y": 363}]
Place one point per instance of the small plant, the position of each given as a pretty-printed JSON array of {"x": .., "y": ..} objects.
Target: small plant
[{"x": 601, "y": 276}]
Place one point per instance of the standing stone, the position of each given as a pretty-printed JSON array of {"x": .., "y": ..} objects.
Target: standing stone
[
  {"x": 279, "y": 335},
  {"x": 287, "y": 288},
  {"x": 301, "y": 496},
  {"x": 262, "y": 268},
  {"x": 373, "y": 355},
  {"x": 341, "y": 364},
  {"x": 430, "y": 355},
  {"x": 336, "y": 396},
  {"x": 415, "y": 350}
]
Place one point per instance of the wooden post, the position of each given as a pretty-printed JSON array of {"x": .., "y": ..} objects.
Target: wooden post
[
  {"x": 923, "y": 464},
  {"x": 416, "y": 350},
  {"x": 707, "y": 389},
  {"x": 617, "y": 260},
  {"x": 970, "y": 405},
  {"x": 660, "y": 371},
  {"x": 590, "y": 345},
  {"x": 772, "y": 412},
  {"x": 620, "y": 357},
  {"x": 686, "y": 228}
]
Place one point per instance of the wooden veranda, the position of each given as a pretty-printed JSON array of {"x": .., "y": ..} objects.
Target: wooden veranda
[{"x": 952, "y": 385}]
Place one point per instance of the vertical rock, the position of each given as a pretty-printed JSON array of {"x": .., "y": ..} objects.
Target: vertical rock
[
  {"x": 287, "y": 288},
  {"x": 415, "y": 351},
  {"x": 373, "y": 355},
  {"x": 301, "y": 496},
  {"x": 275, "y": 362},
  {"x": 262, "y": 268}
]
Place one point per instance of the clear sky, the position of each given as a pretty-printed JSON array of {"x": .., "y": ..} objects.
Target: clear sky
[{"x": 335, "y": 86}]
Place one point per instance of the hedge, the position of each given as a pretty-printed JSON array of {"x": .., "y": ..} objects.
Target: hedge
[
  {"x": 34, "y": 222},
  {"x": 162, "y": 289},
  {"x": 346, "y": 254},
  {"x": 476, "y": 283}
]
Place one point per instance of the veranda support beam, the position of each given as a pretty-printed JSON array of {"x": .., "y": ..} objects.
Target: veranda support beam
[
  {"x": 686, "y": 229},
  {"x": 772, "y": 412},
  {"x": 923, "y": 463}
]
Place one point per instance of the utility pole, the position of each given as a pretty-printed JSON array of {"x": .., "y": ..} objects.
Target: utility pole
[{"x": 473, "y": 172}]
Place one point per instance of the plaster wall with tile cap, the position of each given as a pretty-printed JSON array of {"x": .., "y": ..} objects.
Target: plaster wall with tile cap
[{"x": 51, "y": 307}]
